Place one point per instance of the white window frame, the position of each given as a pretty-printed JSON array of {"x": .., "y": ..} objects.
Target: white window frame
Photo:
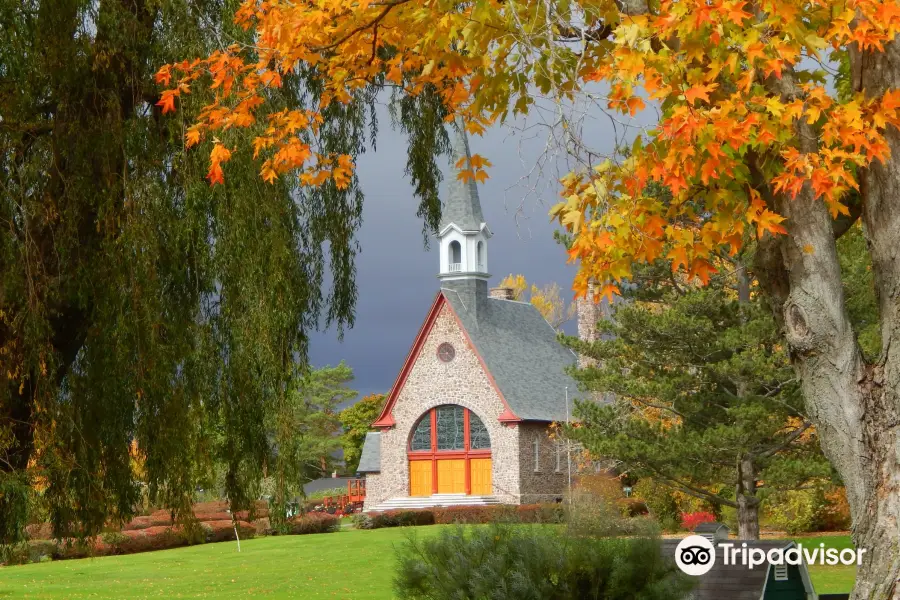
[
  {"x": 537, "y": 455},
  {"x": 781, "y": 572}
]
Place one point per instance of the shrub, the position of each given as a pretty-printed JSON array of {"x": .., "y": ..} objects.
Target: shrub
[
  {"x": 262, "y": 526},
  {"x": 152, "y": 538},
  {"x": 39, "y": 531},
  {"x": 509, "y": 562},
  {"x": 155, "y": 520},
  {"x": 314, "y": 523},
  {"x": 815, "y": 509},
  {"x": 632, "y": 507},
  {"x": 690, "y": 521},
  {"x": 465, "y": 514},
  {"x": 363, "y": 521},
  {"x": 660, "y": 501},
  {"x": 402, "y": 518},
  {"x": 540, "y": 513},
  {"x": 14, "y": 554},
  {"x": 112, "y": 538},
  {"x": 223, "y": 531},
  {"x": 525, "y": 513},
  {"x": 40, "y": 550},
  {"x": 588, "y": 515},
  {"x": 601, "y": 485},
  {"x": 835, "y": 514}
]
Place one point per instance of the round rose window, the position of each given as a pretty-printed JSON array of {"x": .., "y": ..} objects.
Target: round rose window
[{"x": 446, "y": 352}]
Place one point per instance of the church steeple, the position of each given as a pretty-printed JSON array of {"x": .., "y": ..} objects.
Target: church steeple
[{"x": 463, "y": 233}]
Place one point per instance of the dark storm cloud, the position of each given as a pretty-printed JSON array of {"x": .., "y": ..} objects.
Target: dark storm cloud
[{"x": 397, "y": 275}]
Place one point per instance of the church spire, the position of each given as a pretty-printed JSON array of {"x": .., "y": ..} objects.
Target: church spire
[
  {"x": 463, "y": 233},
  {"x": 463, "y": 208}
]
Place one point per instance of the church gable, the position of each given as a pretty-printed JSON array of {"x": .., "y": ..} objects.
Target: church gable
[{"x": 443, "y": 367}]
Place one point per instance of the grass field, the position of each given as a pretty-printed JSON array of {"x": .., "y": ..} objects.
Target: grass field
[
  {"x": 830, "y": 580},
  {"x": 350, "y": 564}
]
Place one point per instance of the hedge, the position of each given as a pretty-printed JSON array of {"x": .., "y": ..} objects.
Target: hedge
[
  {"x": 314, "y": 523},
  {"x": 525, "y": 513},
  {"x": 156, "y": 532}
]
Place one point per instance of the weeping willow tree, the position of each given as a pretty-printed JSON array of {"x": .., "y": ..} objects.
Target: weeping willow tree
[{"x": 140, "y": 307}]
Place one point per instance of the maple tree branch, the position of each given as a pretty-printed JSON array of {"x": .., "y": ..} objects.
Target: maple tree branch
[
  {"x": 387, "y": 8},
  {"x": 374, "y": 43},
  {"x": 572, "y": 34}
]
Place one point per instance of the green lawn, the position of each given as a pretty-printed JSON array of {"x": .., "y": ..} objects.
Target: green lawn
[
  {"x": 826, "y": 579},
  {"x": 350, "y": 564}
]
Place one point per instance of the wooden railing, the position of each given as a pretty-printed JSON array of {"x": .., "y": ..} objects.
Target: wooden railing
[
  {"x": 356, "y": 490},
  {"x": 355, "y": 496}
]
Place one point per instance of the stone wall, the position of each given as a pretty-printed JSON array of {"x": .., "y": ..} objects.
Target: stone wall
[
  {"x": 588, "y": 313},
  {"x": 431, "y": 383},
  {"x": 544, "y": 480}
]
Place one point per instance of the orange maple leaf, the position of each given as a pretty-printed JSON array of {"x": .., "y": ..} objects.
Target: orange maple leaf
[
  {"x": 608, "y": 291},
  {"x": 701, "y": 269},
  {"x": 699, "y": 92},
  {"x": 215, "y": 175},
  {"x": 164, "y": 75},
  {"x": 167, "y": 101}
]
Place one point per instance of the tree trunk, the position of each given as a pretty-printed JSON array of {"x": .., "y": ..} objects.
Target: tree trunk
[
  {"x": 748, "y": 518},
  {"x": 853, "y": 405},
  {"x": 748, "y": 503}
]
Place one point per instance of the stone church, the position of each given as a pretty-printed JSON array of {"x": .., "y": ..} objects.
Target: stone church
[{"x": 468, "y": 416}]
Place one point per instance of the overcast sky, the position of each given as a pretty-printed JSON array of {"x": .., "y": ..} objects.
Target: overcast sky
[{"x": 397, "y": 275}]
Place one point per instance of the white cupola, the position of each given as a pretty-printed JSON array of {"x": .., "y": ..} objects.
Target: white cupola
[{"x": 463, "y": 233}]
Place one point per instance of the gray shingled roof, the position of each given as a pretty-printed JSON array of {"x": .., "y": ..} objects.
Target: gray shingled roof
[
  {"x": 522, "y": 354},
  {"x": 463, "y": 208},
  {"x": 734, "y": 582},
  {"x": 370, "y": 460}
]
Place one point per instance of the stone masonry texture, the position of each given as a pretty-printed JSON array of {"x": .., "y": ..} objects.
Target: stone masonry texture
[{"x": 463, "y": 381}]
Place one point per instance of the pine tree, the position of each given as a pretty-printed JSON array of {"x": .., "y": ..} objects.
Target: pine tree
[{"x": 704, "y": 396}]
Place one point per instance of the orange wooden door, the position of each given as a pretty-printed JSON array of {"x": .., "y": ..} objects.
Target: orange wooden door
[
  {"x": 420, "y": 478},
  {"x": 481, "y": 476},
  {"x": 451, "y": 476}
]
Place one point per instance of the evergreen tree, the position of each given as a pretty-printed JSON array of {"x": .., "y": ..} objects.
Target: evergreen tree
[
  {"x": 304, "y": 428},
  {"x": 704, "y": 397}
]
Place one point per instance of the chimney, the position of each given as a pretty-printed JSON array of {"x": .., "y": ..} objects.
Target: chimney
[
  {"x": 588, "y": 313},
  {"x": 502, "y": 293}
]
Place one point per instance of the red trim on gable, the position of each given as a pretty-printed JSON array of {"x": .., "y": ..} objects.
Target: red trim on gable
[
  {"x": 385, "y": 419},
  {"x": 507, "y": 416}
]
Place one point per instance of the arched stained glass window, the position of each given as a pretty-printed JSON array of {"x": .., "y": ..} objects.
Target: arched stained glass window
[
  {"x": 450, "y": 434},
  {"x": 421, "y": 439},
  {"x": 451, "y": 431},
  {"x": 478, "y": 434}
]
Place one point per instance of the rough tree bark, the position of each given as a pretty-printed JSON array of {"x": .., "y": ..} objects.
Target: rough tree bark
[
  {"x": 853, "y": 404},
  {"x": 747, "y": 501}
]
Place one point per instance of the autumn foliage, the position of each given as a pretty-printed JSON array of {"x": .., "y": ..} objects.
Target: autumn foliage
[{"x": 739, "y": 85}]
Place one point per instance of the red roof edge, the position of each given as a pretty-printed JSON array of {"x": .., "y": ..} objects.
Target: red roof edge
[
  {"x": 386, "y": 419},
  {"x": 507, "y": 416}
]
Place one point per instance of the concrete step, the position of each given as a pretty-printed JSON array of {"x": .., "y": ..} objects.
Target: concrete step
[{"x": 413, "y": 502}]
